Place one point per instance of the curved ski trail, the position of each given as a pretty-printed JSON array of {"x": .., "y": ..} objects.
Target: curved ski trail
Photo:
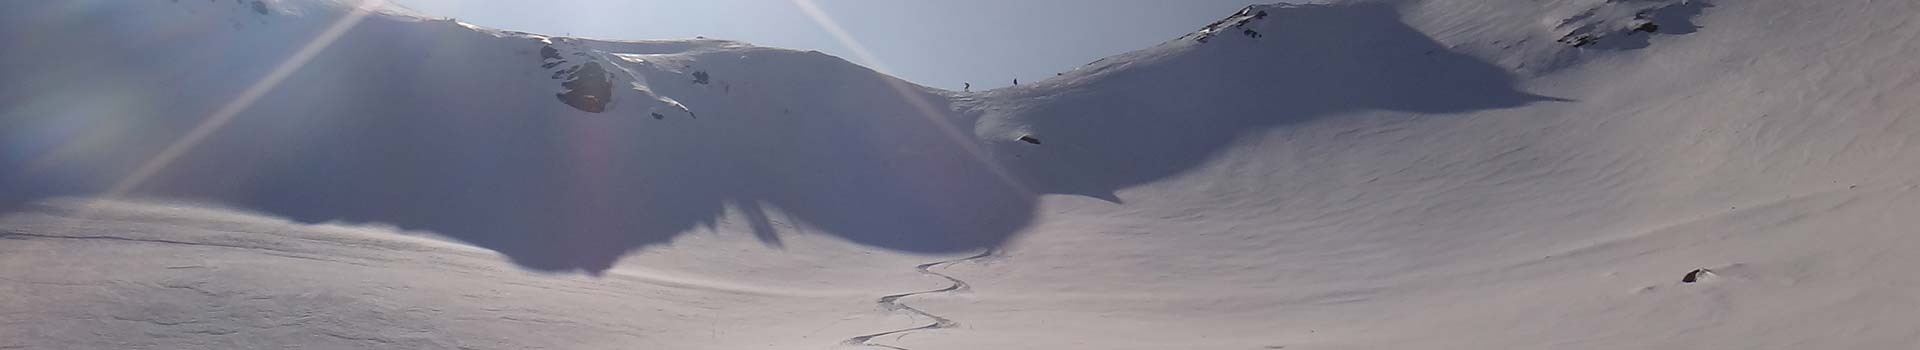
[{"x": 892, "y": 303}]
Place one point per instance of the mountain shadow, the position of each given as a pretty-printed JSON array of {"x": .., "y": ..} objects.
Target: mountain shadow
[
  {"x": 1135, "y": 120},
  {"x": 431, "y": 126}
]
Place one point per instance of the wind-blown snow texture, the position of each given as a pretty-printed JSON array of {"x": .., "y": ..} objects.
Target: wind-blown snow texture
[{"x": 1433, "y": 174}]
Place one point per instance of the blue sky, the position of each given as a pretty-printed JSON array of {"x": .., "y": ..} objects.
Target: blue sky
[{"x": 939, "y": 43}]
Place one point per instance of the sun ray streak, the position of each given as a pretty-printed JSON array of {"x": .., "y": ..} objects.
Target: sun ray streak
[{"x": 212, "y": 123}]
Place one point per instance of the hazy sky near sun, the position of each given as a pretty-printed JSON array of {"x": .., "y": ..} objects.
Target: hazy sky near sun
[{"x": 939, "y": 43}]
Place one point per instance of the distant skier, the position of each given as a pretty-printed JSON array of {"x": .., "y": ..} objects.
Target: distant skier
[
  {"x": 966, "y": 87},
  {"x": 1016, "y": 81}
]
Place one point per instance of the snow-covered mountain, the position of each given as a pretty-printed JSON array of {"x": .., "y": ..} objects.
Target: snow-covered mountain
[{"x": 1436, "y": 174}]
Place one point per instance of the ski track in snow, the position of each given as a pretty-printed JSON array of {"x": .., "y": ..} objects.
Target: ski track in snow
[{"x": 892, "y": 303}]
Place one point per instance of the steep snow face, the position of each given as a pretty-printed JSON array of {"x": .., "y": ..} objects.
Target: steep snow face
[
  {"x": 1440, "y": 174},
  {"x": 563, "y": 163},
  {"x": 1168, "y": 109}
]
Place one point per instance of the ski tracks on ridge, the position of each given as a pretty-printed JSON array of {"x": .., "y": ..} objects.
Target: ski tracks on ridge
[{"x": 892, "y": 302}]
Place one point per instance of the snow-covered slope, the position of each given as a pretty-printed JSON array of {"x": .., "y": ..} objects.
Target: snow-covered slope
[
  {"x": 561, "y": 153},
  {"x": 1441, "y": 174}
]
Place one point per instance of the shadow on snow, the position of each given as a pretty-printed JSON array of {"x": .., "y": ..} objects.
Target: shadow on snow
[{"x": 423, "y": 130}]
